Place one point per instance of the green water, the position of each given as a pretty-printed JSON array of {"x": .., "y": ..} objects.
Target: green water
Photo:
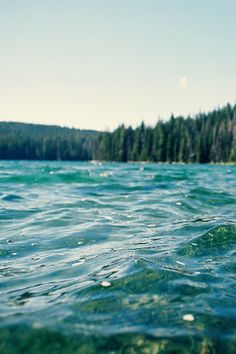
[{"x": 110, "y": 258}]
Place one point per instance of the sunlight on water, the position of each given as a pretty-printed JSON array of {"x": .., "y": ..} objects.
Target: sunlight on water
[{"x": 117, "y": 258}]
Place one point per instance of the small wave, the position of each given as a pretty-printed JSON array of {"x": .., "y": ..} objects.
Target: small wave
[
  {"x": 113, "y": 258},
  {"x": 217, "y": 240},
  {"x": 12, "y": 198}
]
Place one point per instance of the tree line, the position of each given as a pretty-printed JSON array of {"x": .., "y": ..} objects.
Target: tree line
[
  {"x": 207, "y": 137},
  {"x": 22, "y": 141}
]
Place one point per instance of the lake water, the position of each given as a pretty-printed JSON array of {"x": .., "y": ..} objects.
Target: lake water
[{"x": 117, "y": 258}]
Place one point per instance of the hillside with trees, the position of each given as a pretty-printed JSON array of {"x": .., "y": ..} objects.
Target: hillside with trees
[
  {"x": 207, "y": 137},
  {"x": 42, "y": 142}
]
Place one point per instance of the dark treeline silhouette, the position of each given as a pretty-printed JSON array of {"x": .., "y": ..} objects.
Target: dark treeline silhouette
[
  {"x": 42, "y": 142},
  {"x": 205, "y": 138},
  {"x": 208, "y": 137}
]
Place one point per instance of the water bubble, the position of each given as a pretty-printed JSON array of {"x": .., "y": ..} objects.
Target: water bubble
[
  {"x": 106, "y": 284},
  {"x": 37, "y": 325},
  {"x": 188, "y": 317},
  {"x": 105, "y": 174}
]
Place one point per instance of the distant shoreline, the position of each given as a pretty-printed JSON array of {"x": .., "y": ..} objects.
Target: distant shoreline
[
  {"x": 127, "y": 162},
  {"x": 205, "y": 138}
]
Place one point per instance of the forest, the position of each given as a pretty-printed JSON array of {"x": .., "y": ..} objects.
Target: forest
[{"x": 206, "y": 137}]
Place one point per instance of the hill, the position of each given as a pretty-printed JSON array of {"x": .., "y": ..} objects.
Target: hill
[{"x": 43, "y": 142}]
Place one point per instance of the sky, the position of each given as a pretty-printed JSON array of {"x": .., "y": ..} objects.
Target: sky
[{"x": 95, "y": 64}]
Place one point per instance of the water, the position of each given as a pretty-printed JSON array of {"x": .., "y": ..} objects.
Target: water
[{"x": 117, "y": 258}]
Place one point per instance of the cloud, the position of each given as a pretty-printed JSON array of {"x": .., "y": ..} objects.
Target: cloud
[{"x": 183, "y": 83}]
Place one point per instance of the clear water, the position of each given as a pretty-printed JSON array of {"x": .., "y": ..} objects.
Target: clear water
[{"x": 161, "y": 237}]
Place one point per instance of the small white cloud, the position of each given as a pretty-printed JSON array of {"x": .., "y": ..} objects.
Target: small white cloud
[{"x": 183, "y": 83}]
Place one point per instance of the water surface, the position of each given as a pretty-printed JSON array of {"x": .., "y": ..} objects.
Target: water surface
[{"x": 110, "y": 258}]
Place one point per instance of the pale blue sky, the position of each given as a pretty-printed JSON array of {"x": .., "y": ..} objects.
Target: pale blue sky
[{"x": 98, "y": 63}]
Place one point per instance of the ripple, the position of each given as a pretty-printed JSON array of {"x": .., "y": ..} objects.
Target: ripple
[
  {"x": 218, "y": 240},
  {"x": 107, "y": 257}
]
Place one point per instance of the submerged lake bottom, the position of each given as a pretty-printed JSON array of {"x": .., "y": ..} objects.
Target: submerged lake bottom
[{"x": 117, "y": 258}]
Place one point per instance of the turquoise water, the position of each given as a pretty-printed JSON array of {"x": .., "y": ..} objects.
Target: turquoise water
[{"x": 117, "y": 258}]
